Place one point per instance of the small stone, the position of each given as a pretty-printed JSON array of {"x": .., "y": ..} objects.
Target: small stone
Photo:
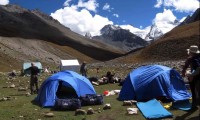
[
  {"x": 80, "y": 112},
  {"x": 90, "y": 111},
  {"x": 21, "y": 89},
  {"x": 127, "y": 103},
  {"x": 132, "y": 111},
  {"x": 12, "y": 86},
  {"x": 107, "y": 106},
  {"x": 4, "y": 98},
  {"x": 28, "y": 94},
  {"x": 49, "y": 114}
]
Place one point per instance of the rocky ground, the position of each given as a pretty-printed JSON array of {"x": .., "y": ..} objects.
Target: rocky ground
[{"x": 121, "y": 70}]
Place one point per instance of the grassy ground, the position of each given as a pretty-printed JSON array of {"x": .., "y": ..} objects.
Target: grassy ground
[{"x": 20, "y": 107}]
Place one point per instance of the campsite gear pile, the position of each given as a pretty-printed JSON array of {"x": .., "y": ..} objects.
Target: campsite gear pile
[
  {"x": 76, "y": 103},
  {"x": 90, "y": 99},
  {"x": 67, "y": 90},
  {"x": 67, "y": 104}
]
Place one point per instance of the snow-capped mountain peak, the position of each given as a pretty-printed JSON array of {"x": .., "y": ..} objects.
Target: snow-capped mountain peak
[
  {"x": 108, "y": 29},
  {"x": 88, "y": 35},
  {"x": 160, "y": 28}
]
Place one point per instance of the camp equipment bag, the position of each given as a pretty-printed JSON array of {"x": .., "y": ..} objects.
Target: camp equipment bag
[
  {"x": 91, "y": 99},
  {"x": 67, "y": 104}
]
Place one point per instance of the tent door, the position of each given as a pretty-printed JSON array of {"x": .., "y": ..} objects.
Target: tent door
[{"x": 65, "y": 90}]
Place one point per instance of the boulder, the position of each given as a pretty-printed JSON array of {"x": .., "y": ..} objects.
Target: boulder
[{"x": 80, "y": 112}]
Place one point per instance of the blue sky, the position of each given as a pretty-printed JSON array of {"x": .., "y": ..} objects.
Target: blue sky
[{"x": 91, "y": 15}]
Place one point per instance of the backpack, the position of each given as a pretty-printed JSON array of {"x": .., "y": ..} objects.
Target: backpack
[
  {"x": 67, "y": 104},
  {"x": 91, "y": 99}
]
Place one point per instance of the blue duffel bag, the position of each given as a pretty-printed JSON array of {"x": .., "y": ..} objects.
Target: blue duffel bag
[
  {"x": 91, "y": 99},
  {"x": 67, "y": 104}
]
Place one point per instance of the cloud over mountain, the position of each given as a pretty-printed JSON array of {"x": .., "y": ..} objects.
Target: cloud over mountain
[
  {"x": 85, "y": 16},
  {"x": 179, "y": 5},
  {"x": 164, "y": 22},
  {"x": 4, "y": 2},
  {"x": 80, "y": 19}
]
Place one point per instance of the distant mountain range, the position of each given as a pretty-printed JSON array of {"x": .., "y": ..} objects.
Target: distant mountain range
[
  {"x": 30, "y": 35},
  {"x": 132, "y": 40},
  {"x": 128, "y": 41},
  {"x": 120, "y": 38}
]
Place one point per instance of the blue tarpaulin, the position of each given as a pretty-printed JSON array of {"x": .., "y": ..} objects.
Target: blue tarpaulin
[
  {"x": 153, "y": 81},
  {"x": 152, "y": 109},
  {"x": 47, "y": 92}
]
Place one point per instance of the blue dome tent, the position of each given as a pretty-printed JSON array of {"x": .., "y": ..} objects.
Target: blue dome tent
[
  {"x": 69, "y": 79},
  {"x": 153, "y": 81}
]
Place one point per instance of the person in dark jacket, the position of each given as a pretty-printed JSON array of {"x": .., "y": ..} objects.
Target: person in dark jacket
[
  {"x": 83, "y": 69},
  {"x": 109, "y": 76},
  {"x": 193, "y": 61},
  {"x": 34, "y": 79}
]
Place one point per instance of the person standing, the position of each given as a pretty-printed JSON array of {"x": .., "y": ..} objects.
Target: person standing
[
  {"x": 193, "y": 61},
  {"x": 34, "y": 79},
  {"x": 83, "y": 69}
]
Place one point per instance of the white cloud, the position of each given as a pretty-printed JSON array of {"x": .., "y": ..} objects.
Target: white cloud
[
  {"x": 4, "y": 2},
  {"x": 165, "y": 21},
  {"x": 106, "y": 7},
  {"x": 116, "y": 15},
  {"x": 167, "y": 16},
  {"x": 80, "y": 21},
  {"x": 66, "y": 3},
  {"x": 158, "y": 4},
  {"x": 130, "y": 28},
  {"x": 179, "y": 5},
  {"x": 91, "y": 5},
  {"x": 139, "y": 32}
]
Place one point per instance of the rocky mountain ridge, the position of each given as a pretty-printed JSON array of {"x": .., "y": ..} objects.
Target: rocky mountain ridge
[
  {"x": 193, "y": 18},
  {"x": 121, "y": 38},
  {"x": 30, "y": 35}
]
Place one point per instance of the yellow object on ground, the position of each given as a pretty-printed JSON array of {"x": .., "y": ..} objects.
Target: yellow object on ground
[{"x": 168, "y": 106}]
